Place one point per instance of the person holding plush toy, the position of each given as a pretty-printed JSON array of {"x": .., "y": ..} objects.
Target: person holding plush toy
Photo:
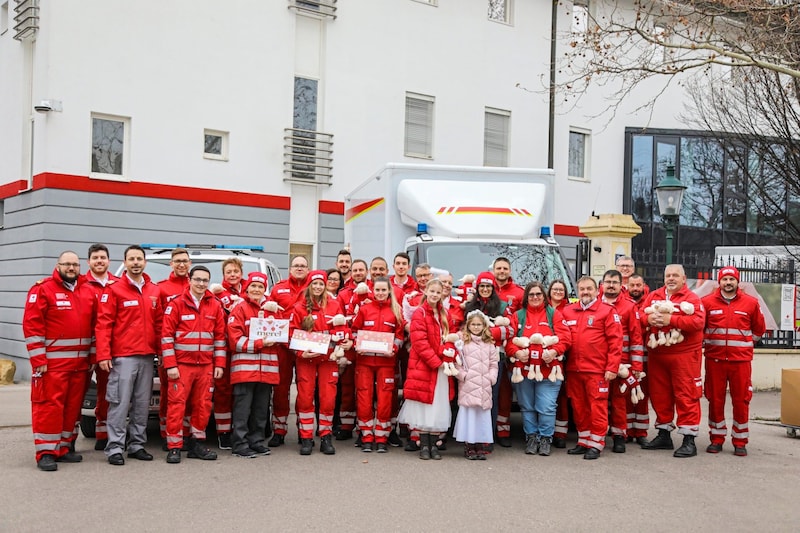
[
  {"x": 674, "y": 369},
  {"x": 427, "y": 389},
  {"x": 477, "y": 371}
]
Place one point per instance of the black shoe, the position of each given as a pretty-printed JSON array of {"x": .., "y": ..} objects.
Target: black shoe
[
  {"x": 116, "y": 459},
  {"x": 260, "y": 449},
  {"x": 188, "y": 444},
  {"x": 663, "y": 441},
  {"x": 411, "y": 446},
  {"x": 366, "y": 447},
  {"x": 687, "y": 449},
  {"x": 306, "y": 445},
  {"x": 394, "y": 439},
  {"x": 560, "y": 442},
  {"x": 505, "y": 442},
  {"x": 425, "y": 447},
  {"x": 246, "y": 453},
  {"x": 276, "y": 440},
  {"x": 70, "y": 457},
  {"x": 532, "y": 444},
  {"x": 174, "y": 456},
  {"x": 201, "y": 451},
  {"x": 140, "y": 454},
  {"x": 740, "y": 451},
  {"x": 619, "y": 444},
  {"x": 435, "y": 455},
  {"x": 714, "y": 448},
  {"x": 381, "y": 447},
  {"x": 544, "y": 446},
  {"x": 326, "y": 446},
  {"x": 577, "y": 450},
  {"x": 441, "y": 443},
  {"x": 591, "y": 453},
  {"x": 344, "y": 434},
  {"x": 224, "y": 441},
  {"x": 100, "y": 444},
  {"x": 640, "y": 440},
  {"x": 47, "y": 463}
]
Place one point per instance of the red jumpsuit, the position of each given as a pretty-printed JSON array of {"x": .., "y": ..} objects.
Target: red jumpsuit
[
  {"x": 674, "y": 371},
  {"x": 101, "y": 376},
  {"x": 251, "y": 361},
  {"x": 639, "y": 414},
  {"x": 286, "y": 294},
  {"x": 169, "y": 288},
  {"x": 317, "y": 371},
  {"x": 514, "y": 297},
  {"x": 729, "y": 331},
  {"x": 193, "y": 341},
  {"x": 596, "y": 349},
  {"x": 58, "y": 325},
  {"x": 632, "y": 354},
  {"x": 223, "y": 392},
  {"x": 376, "y": 371}
]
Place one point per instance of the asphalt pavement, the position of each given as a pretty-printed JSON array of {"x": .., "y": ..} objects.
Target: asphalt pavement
[{"x": 355, "y": 491}]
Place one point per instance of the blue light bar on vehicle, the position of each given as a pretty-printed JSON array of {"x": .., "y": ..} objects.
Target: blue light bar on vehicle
[{"x": 254, "y": 248}]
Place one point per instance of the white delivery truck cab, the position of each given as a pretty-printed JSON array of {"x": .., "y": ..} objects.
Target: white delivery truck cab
[{"x": 459, "y": 219}]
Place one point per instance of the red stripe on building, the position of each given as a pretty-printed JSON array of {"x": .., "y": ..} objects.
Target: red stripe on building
[
  {"x": 331, "y": 208},
  {"x": 50, "y": 180},
  {"x": 12, "y": 189}
]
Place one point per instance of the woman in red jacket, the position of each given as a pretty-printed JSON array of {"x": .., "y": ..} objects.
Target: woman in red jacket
[
  {"x": 427, "y": 389},
  {"x": 314, "y": 312},
  {"x": 377, "y": 370},
  {"x": 253, "y": 369},
  {"x": 559, "y": 299}
]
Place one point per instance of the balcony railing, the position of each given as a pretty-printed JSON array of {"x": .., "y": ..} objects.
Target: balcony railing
[
  {"x": 27, "y": 19},
  {"x": 308, "y": 156},
  {"x": 323, "y": 8}
]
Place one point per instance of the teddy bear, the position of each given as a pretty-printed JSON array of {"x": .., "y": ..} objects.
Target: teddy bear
[
  {"x": 339, "y": 334},
  {"x": 467, "y": 286},
  {"x": 449, "y": 354},
  {"x": 556, "y": 367},
  {"x": 544, "y": 342},
  {"x": 629, "y": 381},
  {"x": 361, "y": 293},
  {"x": 666, "y": 336},
  {"x": 517, "y": 365}
]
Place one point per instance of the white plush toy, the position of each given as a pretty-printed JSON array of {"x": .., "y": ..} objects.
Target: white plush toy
[
  {"x": 630, "y": 381},
  {"x": 339, "y": 334},
  {"x": 666, "y": 336},
  {"x": 535, "y": 368},
  {"x": 449, "y": 352},
  {"x": 516, "y": 370}
]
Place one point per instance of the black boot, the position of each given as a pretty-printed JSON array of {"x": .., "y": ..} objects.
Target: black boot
[
  {"x": 435, "y": 455},
  {"x": 425, "y": 446},
  {"x": 663, "y": 441},
  {"x": 305, "y": 446},
  {"x": 687, "y": 449},
  {"x": 619, "y": 444},
  {"x": 325, "y": 445}
]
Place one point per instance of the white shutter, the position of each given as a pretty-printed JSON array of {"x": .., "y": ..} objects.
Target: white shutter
[
  {"x": 495, "y": 138},
  {"x": 419, "y": 126}
]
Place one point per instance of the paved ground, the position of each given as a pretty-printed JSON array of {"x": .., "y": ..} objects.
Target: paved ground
[{"x": 353, "y": 491}]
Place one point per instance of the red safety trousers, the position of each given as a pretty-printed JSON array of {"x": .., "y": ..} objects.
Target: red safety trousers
[
  {"x": 639, "y": 414},
  {"x": 618, "y": 408},
  {"x": 223, "y": 400},
  {"x": 676, "y": 386},
  {"x": 280, "y": 392},
  {"x": 375, "y": 424},
  {"x": 192, "y": 390},
  {"x": 588, "y": 392},
  {"x": 721, "y": 374},
  {"x": 347, "y": 386},
  {"x": 56, "y": 398},
  {"x": 504, "y": 398},
  {"x": 101, "y": 407},
  {"x": 562, "y": 413},
  {"x": 163, "y": 401},
  {"x": 322, "y": 373}
]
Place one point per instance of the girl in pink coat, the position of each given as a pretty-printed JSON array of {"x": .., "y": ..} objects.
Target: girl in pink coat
[{"x": 476, "y": 375}]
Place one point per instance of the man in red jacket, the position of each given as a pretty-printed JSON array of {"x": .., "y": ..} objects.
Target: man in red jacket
[
  {"x": 193, "y": 354},
  {"x": 674, "y": 369},
  {"x": 128, "y": 338},
  {"x": 58, "y": 326},
  {"x": 733, "y": 321}
]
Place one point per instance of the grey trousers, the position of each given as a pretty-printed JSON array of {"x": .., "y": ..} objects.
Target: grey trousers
[
  {"x": 250, "y": 413},
  {"x": 130, "y": 385}
]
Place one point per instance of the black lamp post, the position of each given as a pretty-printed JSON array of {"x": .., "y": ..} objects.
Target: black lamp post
[{"x": 669, "y": 193}]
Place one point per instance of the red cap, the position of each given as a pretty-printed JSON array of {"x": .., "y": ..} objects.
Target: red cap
[
  {"x": 486, "y": 278},
  {"x": 258, "y": 277},
  {"x": 728, "y": 271},
  {"x": 318, "y": 274}
]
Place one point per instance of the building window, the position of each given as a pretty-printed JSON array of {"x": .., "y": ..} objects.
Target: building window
[
  {"x": 419, "y": 126},
  {"x": 495, "y": 137},
  {"x": 110, "y": 146},
  {"x": 500, "y": 11},
  {"x": 215, "y": 145},
  {"x": 578, "y": 166},
  {"x": 580, "y": 16}
]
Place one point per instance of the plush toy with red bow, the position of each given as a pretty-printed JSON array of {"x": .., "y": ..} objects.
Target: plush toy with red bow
[
  {"x": 450, "y": 354},
  {"x": 466, "y": 286},
  {"x": 542, "y": 343},
  {"x": 340, "y": 333},
  {"x": 518, "y": 366},
  {"x": 629, "y": 381}
]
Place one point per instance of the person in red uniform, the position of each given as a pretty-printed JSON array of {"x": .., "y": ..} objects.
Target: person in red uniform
[
  {"x": 639, "y": 414},
  {"x": 128, "y": 336},
  {"x": 376, "y": 371},
  {"x": 632, "y": 354},
  {"x": 180, "y": 262},
  {"x": 343, "y": 264},
  {"x": 401, "y": 279},
  {"x": 286, "y": 294},
  {"x": 733, "y": 321},
  {"x": 592, "y": 362},
  {"x": 100, "y": 280},
  {"x": 558, "y": 299},
  {"x": 229, "y": 293},
  {"x": 513, "y": 296},
  {"x": 314, "y": 312},
  {"x": 254, "y": 369},
  {"x": 193, "y": 354},
  {"x": 58, "y": 325},
  {"x": 674, "y": 371}
]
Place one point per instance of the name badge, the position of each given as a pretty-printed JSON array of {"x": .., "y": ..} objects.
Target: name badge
[
  {"x": 187, "y": 317},
  {"x": 130, "y": 303}
]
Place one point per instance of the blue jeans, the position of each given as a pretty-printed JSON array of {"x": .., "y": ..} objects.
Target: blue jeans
[{"x": 537, "y": 402}]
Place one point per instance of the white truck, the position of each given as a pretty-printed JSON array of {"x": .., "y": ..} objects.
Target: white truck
[{"x": 459, "y": 219}]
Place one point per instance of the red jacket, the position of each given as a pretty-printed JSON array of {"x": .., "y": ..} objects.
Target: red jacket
[
  {"x": 58, "y": 324},
  {"x": 192, "y": 334},
  {"x": 321, "y": 318},
  {"x": 690, "y": 325},
  {"x": 408, "y": 287},
  {"x": 536, "y": 322},
  {"x": 596, "y": 338},
  {"x": 288, "y": 292},
  {"x": 425, "y": 356},
  {"x": 129, "y": 321},
  {"x": 98, "y": 288},
  {"x": 731, "y": 326},
  {"x": 251, "y": 361},
  {"x": 378, "y": 316},
  {"x": 513, "y": 295},
  {"x": 172, "y": 287},
  {"x": 229, "y": 296},
  {"x": 455, "y": 313},
  {"x": 632, "y": 343}
]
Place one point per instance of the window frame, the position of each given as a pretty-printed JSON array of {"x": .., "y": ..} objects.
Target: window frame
[
  {"x": 126, "y": 146},
  {"x": 506, "y": 114},
  {"x": 508, "y": 18},
  {"x": 225, "y": 144},
  {"x": 587, "y": 150},
  {"x": 430, "y": 101}
]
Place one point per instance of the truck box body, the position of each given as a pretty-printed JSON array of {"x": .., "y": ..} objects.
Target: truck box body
[{"x": 472, "y": 216}]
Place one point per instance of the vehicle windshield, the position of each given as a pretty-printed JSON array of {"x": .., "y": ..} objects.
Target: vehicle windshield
[
  {"x": 158, "y": 268},
  {"x": 529, "y": 262}
]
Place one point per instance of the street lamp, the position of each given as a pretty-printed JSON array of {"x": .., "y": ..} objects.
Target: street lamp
[{"x": 669, "y": 193}]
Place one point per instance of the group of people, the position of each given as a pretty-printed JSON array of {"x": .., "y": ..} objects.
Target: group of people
[{"x": 486, "y": 339}]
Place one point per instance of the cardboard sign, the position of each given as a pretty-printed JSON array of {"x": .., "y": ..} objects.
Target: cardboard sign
[
  {"x": 375, "y": 342},
  {"x": 310, "y": 341},
  {"x": 269, "y": 329}
]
